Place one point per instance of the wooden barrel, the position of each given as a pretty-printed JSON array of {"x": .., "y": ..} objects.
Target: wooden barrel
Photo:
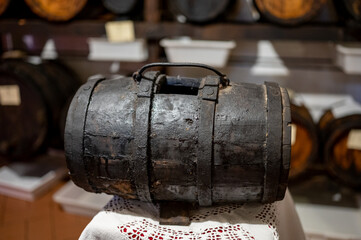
[
  {"x": 120, "y": 7},
  {"x": 180, "y": 139},
  {"x": 353, "y": 7},
  {"x": 56, "y": 10},
  {"x": 31, "y": 98},
  {"x": 3, "y": 5},
  {"x": 199, "y": 10},
  {"x": 304, "y": 144},
  {"x": 289, "y": 12},
  {"x": 342, "y": 160}
]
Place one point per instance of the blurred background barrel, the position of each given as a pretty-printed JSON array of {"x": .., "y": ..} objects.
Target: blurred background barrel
[
  {"x": 120, "y": 7},
  {"x": 289, "y": 12},
  {"x": 304, "y": 149},
  {"x": 56, "y": 10},
  {"x": 342, "y": 160},
  {"x": 31, "y": 100},
  {"x": 353, "y": 8},
  {"x": 3, "y": 5},
  {"x": 199, "y": 10}
]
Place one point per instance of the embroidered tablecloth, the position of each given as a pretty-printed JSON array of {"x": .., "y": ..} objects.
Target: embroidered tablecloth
[{"x": 132, "y": 219}]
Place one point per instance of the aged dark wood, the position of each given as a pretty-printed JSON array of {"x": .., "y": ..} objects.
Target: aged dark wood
[
  {"x": 289, "y": 12},
  {"x": 341, "y": 162},
  {"x": 44, "y": 89},
  {"x": 199, "y": 10},
  {"x": 241, "y": 136},
  {"x": 175, "y": 213},
  {"x": 56, "y": 10},
  {"x": 152, "y": 11},
  {"x": 304, "y": 151},
  {"x": 142, "y": 123}
]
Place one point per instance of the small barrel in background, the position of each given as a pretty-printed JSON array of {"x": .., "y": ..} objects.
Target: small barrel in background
[
  {"x": 31, "y": 99},
  {"x": 56, "y": 10},
  {"x": 199, "y": 11},
  {"x": 120, "y": 7},
  {"x": 3, "y": 5},
  {"x": 66, "y": 82},
  {"x": 353, "y": 7},
  {"x": 342, "y": 160},
  {"x": 289, "y": 12},
  {"x": 304, "y": 143}
]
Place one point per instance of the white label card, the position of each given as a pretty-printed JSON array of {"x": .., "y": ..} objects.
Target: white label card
[
  {"x": 354, "y": 139},
  {"x": 10, "y": 95},
  {"x": 293, "y": 134},
  {"x": 120, "y": 31}
]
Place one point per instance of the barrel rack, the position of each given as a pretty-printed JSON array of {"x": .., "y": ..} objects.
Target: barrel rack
[{"x": 79, "y": 31}]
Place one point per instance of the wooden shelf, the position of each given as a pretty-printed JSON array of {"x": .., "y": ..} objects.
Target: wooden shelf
[{"x": 71, "y": 38}]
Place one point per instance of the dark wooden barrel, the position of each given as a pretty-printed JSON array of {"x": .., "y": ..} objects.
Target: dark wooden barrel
[
  {"x": 353, "y": 8},
  {"x": 199, "y": 10},
  {"x": 304, "y": 148},
  {"x": 3, "y": 5},
  {"x": 341, "y": 162},
  {"x": 177, "y": 139},
  {"x": 56, "y": 10},
  {"x": 66, "y": 84},
  {"x": 31, "y": 100},
  {"x": 289, "y": 12},
  {"x": 120, "y": 7}
]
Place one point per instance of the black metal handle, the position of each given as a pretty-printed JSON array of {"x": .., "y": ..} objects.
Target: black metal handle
[{"x": 137, "y": 76}]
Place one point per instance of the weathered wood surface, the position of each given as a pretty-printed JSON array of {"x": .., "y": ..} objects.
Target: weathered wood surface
[{"x": 251, "y": 144}]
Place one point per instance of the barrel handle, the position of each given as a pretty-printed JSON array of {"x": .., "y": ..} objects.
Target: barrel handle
[{"x": 137, "y": 76}]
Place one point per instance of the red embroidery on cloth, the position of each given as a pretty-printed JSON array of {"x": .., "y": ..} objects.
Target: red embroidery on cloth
[
  {"x": 146, "y": 230},
  {"x": 268, "y": 216}
]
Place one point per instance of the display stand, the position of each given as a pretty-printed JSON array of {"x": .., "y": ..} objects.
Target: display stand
[{"x": 133, "y": 219}]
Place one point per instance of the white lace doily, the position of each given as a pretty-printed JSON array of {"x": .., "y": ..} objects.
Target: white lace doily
[{"x": 131, "y": 219}]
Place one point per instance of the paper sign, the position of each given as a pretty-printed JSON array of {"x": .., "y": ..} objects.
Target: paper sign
[
  {"x": 293, "y": 134},
  {"x": 354, "y": 139},
  {"x": 120, "y": 31},
  {"x": 10, "y": 95}
]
